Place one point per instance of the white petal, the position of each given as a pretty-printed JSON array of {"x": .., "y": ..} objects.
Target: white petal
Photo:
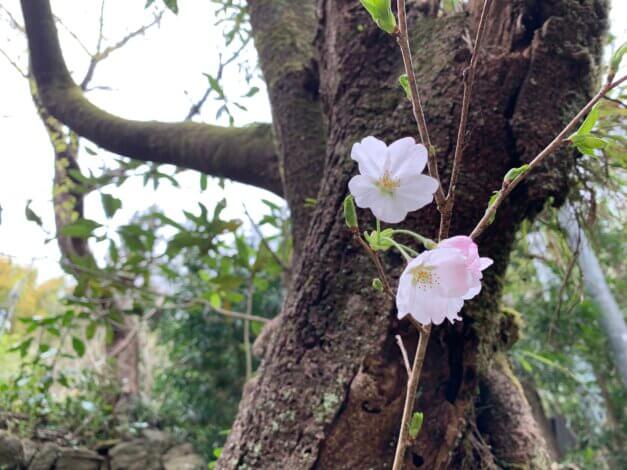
[
  {"x": 407, "y": 157},
  {"x": 472, "y": 292},
  {"x": 364, "y": 190},
  {"x": 486, "y": 263},
  {"x": 416, "y": 191},
  {"x": 370, "y": 155},
  {"x": 388, "y": 209},
  {"x": 454, "y": 306}
]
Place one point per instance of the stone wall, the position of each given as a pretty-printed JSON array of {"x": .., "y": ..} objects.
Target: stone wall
[{"x": 153, "y": 450}]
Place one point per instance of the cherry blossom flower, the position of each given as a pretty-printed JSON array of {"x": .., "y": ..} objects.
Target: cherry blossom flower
[
  {"x": 435, "y": 284},
  {"x": 391, "y": 182}
]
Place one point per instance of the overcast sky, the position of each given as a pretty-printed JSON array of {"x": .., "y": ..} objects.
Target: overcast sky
[{"x": 156, "y": 76}]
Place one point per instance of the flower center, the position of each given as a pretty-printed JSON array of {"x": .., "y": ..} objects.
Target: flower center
[
  {"x": 424, "y": 277},
  {"x": 387, "y": 184}
]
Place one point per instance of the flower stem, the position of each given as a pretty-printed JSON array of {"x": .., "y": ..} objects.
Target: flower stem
[
  {"x": 410, "y": 398},
  {"x": 426, "y": 242},
  {"x": 378, "y": 230},
  {"x": 401, "y": 248}
]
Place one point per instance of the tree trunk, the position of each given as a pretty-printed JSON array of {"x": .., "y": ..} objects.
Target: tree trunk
[
  {"x": 330, "y": 389},
  {"x": 611, "y": 320}
]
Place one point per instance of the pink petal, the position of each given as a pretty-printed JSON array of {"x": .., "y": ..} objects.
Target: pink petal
[{"x": 486, "y": 263}]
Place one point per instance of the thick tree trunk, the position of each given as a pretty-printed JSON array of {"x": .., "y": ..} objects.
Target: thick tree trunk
[{"x": 330, "y": 389}]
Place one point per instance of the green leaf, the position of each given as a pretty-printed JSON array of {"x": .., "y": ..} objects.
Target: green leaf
[
  {"x": 415, "y": 424},
  {"x": 78, "y": 346},
  {"x": 381, "y": 13},
  {"x": 252, "y": 92},
  {"x": 90, "y": 331},
  {"x": 514, "y": 173},
  {"x": 110, "y": 204},
  {"x": 381, "y": 242},
  {"x": 82, "y": 228},
  {"x": 404, "y": 81},
  {"x": 203, "y": 182},
  {"x": 616, "y": 59},
  {"x": 30, "y": 214},
  {"x": 491, "y": 202}
]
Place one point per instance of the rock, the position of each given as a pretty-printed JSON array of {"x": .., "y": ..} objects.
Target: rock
[
  {"x": 183, "y": 457},
  {"x": 11, "y": 452},
  {"x": 45, "y": 457},
  {"x": 78, "y": 459},
  {"x": 30, "y": 449},
  {"x": 138, "y": 454},
  {"x": 159, "y": 439}
]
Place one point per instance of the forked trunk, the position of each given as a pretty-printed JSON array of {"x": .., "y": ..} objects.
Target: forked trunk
[{"x": 330, "y": 390}]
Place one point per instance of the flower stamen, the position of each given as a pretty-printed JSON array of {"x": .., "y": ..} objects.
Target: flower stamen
[
  {"x": 387, "y": 184},
  {"x": 424, "y": 277}
]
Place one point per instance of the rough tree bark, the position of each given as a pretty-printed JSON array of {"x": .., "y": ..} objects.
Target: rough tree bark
[{"x": 330, "y": 388}]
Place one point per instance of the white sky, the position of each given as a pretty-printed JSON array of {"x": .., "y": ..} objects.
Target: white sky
[{"x": 149, "y": 78}]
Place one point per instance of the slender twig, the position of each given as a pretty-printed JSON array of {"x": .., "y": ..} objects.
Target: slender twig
[
  {"x": 507, "y": 187},
  {"x": 377, "y": 262},
  {"x": 403, "y": 42},
  {"x": 401, "y": 346},
  {"x": 469, "y": 80},
  {"x": 264, "y": 242},
  {"x": 410, "y": 398},
  {"x": 249, "y": 310},
  {"x": 101, "y": 55},
  {"x": 14, "y": 64}
]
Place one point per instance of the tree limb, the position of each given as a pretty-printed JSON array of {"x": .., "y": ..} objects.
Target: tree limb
[{"x": 245, "y": 154}]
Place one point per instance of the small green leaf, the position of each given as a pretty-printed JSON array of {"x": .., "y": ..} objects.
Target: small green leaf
[
  {"x": 110, "y": 204},
  {"x": 203, "y": 182},
  {"x": 415, "y": 424},
  {"x": 616, "y": 59},
  {"x": 82, "y": 228},
  {"x": 78, "y": 346},
  {"x": 381, "y": 13},
  {"x": 514, "y": 173},
  {"x": 30, "y": 214},
  {"x": 493, "y": 198},
  {"x": 404, "y": 81},
  {"x": 350, "y": 212},
  {"x": 377, "y": 284},
  {"x": 90, "y": 331}
]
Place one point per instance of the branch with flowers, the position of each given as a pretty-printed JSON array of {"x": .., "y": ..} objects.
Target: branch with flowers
[{"x": 436, "y": 282}]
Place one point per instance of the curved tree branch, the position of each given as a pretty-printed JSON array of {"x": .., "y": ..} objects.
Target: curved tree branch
[{"x": 245, "y": 154}]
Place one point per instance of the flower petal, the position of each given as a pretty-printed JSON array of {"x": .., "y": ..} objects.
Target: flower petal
[
  {"x": 407, "y": 157},
  {"x": 388, "y": 209},
  {"x": 416, "y": 191},
  {"x": 364, "y": 190},
  {"x": 485, "y": 262},
  {"x": 370, "y": 154}
]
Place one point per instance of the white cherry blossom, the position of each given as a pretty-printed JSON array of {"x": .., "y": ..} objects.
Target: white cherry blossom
[{"x": 391, "y": 182}]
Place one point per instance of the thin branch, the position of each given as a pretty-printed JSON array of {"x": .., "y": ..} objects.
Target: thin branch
[
  {"x": 401, "y": 346},
  {"x": 403, "y": 41},
  {"x": 469, "y": 80},
  {"x": 507, "y": 188},
  {"x": 101, "y": 55},
  {"x": 377, "y": 262},
  {"x": 264, "y": 242},
  {"x": 410, "y": 398},
  {"x": 14, "y": 64},
  {"x": 14, "y": 23},
  {"x": 196, "y": 107},
  {"x": 249, "y": 310},
  {"x": 73, "y": 34}
]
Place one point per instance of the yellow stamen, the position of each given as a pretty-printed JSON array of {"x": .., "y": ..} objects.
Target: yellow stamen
[
  {"x": 424, "y": 277},
  {"x": 387, "y": 184}
]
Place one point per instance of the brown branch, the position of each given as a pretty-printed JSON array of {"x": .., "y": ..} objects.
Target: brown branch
[
  {"x": 410, "y": 398},
  {"x": 403, "y": 42},
  {"x": 246, "y": 155},
  {"x": 377, "y": 262},
  {"x": 469, "y": 80},
  {"x": 508, "y": 187}
]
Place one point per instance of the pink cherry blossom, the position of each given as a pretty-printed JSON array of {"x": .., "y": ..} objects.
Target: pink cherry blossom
[
  {"x": 391, "y": 182},
  {"x": 435, "y": 284}
]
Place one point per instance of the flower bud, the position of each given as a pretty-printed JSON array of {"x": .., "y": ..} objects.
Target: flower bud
[
  {"x": 350, "y": 213},
  {"x": 381, "y": 12},
  {"x": 377, "y": 284}
]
